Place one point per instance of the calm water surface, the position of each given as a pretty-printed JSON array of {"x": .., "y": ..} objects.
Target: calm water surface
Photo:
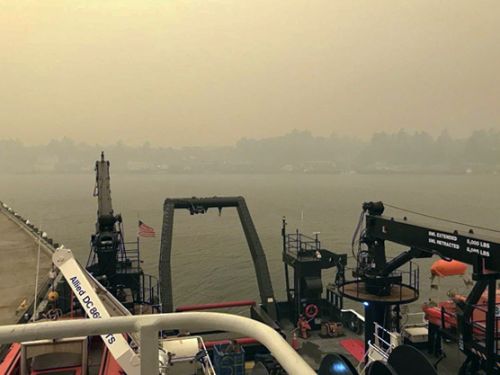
[{"x": 210, "y": 257}]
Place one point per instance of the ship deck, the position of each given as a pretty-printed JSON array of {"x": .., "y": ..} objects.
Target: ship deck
[
  {"x": 315, "y": 348},
  {"x": 18, "y": 251},
  {"x": 18, "y": 248}
]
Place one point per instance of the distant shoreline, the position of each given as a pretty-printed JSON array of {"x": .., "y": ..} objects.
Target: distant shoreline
[{"x": 264, "y": 173}]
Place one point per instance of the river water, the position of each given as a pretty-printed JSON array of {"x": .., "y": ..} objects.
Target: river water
[{"x": 211, "y": 261}]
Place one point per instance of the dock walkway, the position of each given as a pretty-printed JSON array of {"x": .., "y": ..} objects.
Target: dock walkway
[{"x": 18, "y": 259}]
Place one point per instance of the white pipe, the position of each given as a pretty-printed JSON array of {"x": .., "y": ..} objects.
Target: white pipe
[
  {"x": 149, "y": 350},
  {"x": 291, "y": 361}
]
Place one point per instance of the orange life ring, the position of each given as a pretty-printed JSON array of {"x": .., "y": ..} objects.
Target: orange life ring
[{"x": 311, "y": 311}]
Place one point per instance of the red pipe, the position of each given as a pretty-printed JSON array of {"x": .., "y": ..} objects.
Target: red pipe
[
  {"x": 241, "y": 341},
  {"x": 211, "y": 306},
  {"x": 10, "y": 363},
  {"x": 109, "y": 366}
]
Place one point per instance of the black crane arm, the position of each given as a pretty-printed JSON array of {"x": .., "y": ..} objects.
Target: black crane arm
[
  {"x": 107, "y": 240},
  {"x": 102, "y": 188},
  {"x": 482, "y": 252},
  {"x": 424, "y": 241}
]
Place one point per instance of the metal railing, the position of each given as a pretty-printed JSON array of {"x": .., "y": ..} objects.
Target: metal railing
[
  {"x": 380, "y": 348},
  {"x": 149, "y": 326},
  {"x": 409, "y": 276},
  {"x": 204, "y": 359},
  {"x": 150, "y": 291},
  {"x": 297, "y": 243},
  {"x": 129, "y": 256},
  {"x": 479, "y": 326}
]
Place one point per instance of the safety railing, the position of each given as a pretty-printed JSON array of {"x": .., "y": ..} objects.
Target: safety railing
[
  {"x": 202, "y": 357},
  {"x": 297, "y": 243},
  {"x": 405, "y": 289},
  {"x": 479, "y": 326},
  {"x": 149, "y": 327},
  {"x": 380, "y": 349},
  {"x": 150, "y": 291},
  {"x": 129, "y": 257}
]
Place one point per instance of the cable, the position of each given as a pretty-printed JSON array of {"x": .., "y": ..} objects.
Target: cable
[
  {"x": 441, "y": 219},
  {"x": 356, "y": 231}
]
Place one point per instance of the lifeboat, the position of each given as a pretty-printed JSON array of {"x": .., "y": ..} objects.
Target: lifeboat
[
  {"x": 433, "y": 314},
  {"x": 443, "y": 267},
  {"x": 448, "y": 309}
]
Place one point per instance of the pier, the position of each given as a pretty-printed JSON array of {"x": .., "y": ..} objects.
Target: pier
[{"x": 19, "y": 243}]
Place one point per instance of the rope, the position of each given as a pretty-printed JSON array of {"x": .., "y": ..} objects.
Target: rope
[{"x": 441, "y": 219}]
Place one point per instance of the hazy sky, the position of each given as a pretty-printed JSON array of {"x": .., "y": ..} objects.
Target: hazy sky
[{"x": 210, "y": 72}]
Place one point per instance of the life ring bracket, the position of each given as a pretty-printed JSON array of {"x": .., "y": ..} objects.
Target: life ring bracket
[{"x": 311, "y": 311}]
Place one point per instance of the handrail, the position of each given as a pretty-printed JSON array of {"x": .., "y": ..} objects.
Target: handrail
[
  {"x": 149, "y": 325},
  {"x": 378, "y": 350},
  {"x": 206, "y": 363}
]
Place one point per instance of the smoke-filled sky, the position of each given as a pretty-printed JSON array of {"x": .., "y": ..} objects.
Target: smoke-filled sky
[{"x": 210, "y": 72}]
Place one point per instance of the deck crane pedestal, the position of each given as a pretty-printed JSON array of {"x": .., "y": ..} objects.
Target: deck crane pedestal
[
  {"x": 307, "y": 259},
  {"x": 380, "y": 283},
  {"x": 112, "y": 261}
]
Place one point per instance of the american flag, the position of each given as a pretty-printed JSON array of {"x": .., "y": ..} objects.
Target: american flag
[{"x": 145, "y": 230}]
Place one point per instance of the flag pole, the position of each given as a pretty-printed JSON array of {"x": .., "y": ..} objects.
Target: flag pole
[{"x": 137, "y": 230}]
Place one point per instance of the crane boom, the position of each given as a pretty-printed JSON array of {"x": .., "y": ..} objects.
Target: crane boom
[
  {"x": 467, "y": 248},
  {"x": 102, "y": 188},
  {"x": 95, "y": 309},
  {"x": 482, "y": 252},
  {"x": 107, "y": 242}
]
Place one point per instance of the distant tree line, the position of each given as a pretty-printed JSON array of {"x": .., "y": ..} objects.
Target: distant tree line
[{"x": 295, "y": 152}]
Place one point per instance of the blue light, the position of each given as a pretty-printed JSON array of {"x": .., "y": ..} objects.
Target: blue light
[
  {"x": 338, "y": 367},
  {"x": 366, "y": 303}
]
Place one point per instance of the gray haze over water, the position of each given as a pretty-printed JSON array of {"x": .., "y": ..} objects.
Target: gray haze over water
[
  {"x": 210, "y": 258},
  {"x": 191, "y": 72},
  {"x": 152, "y": 79}
]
